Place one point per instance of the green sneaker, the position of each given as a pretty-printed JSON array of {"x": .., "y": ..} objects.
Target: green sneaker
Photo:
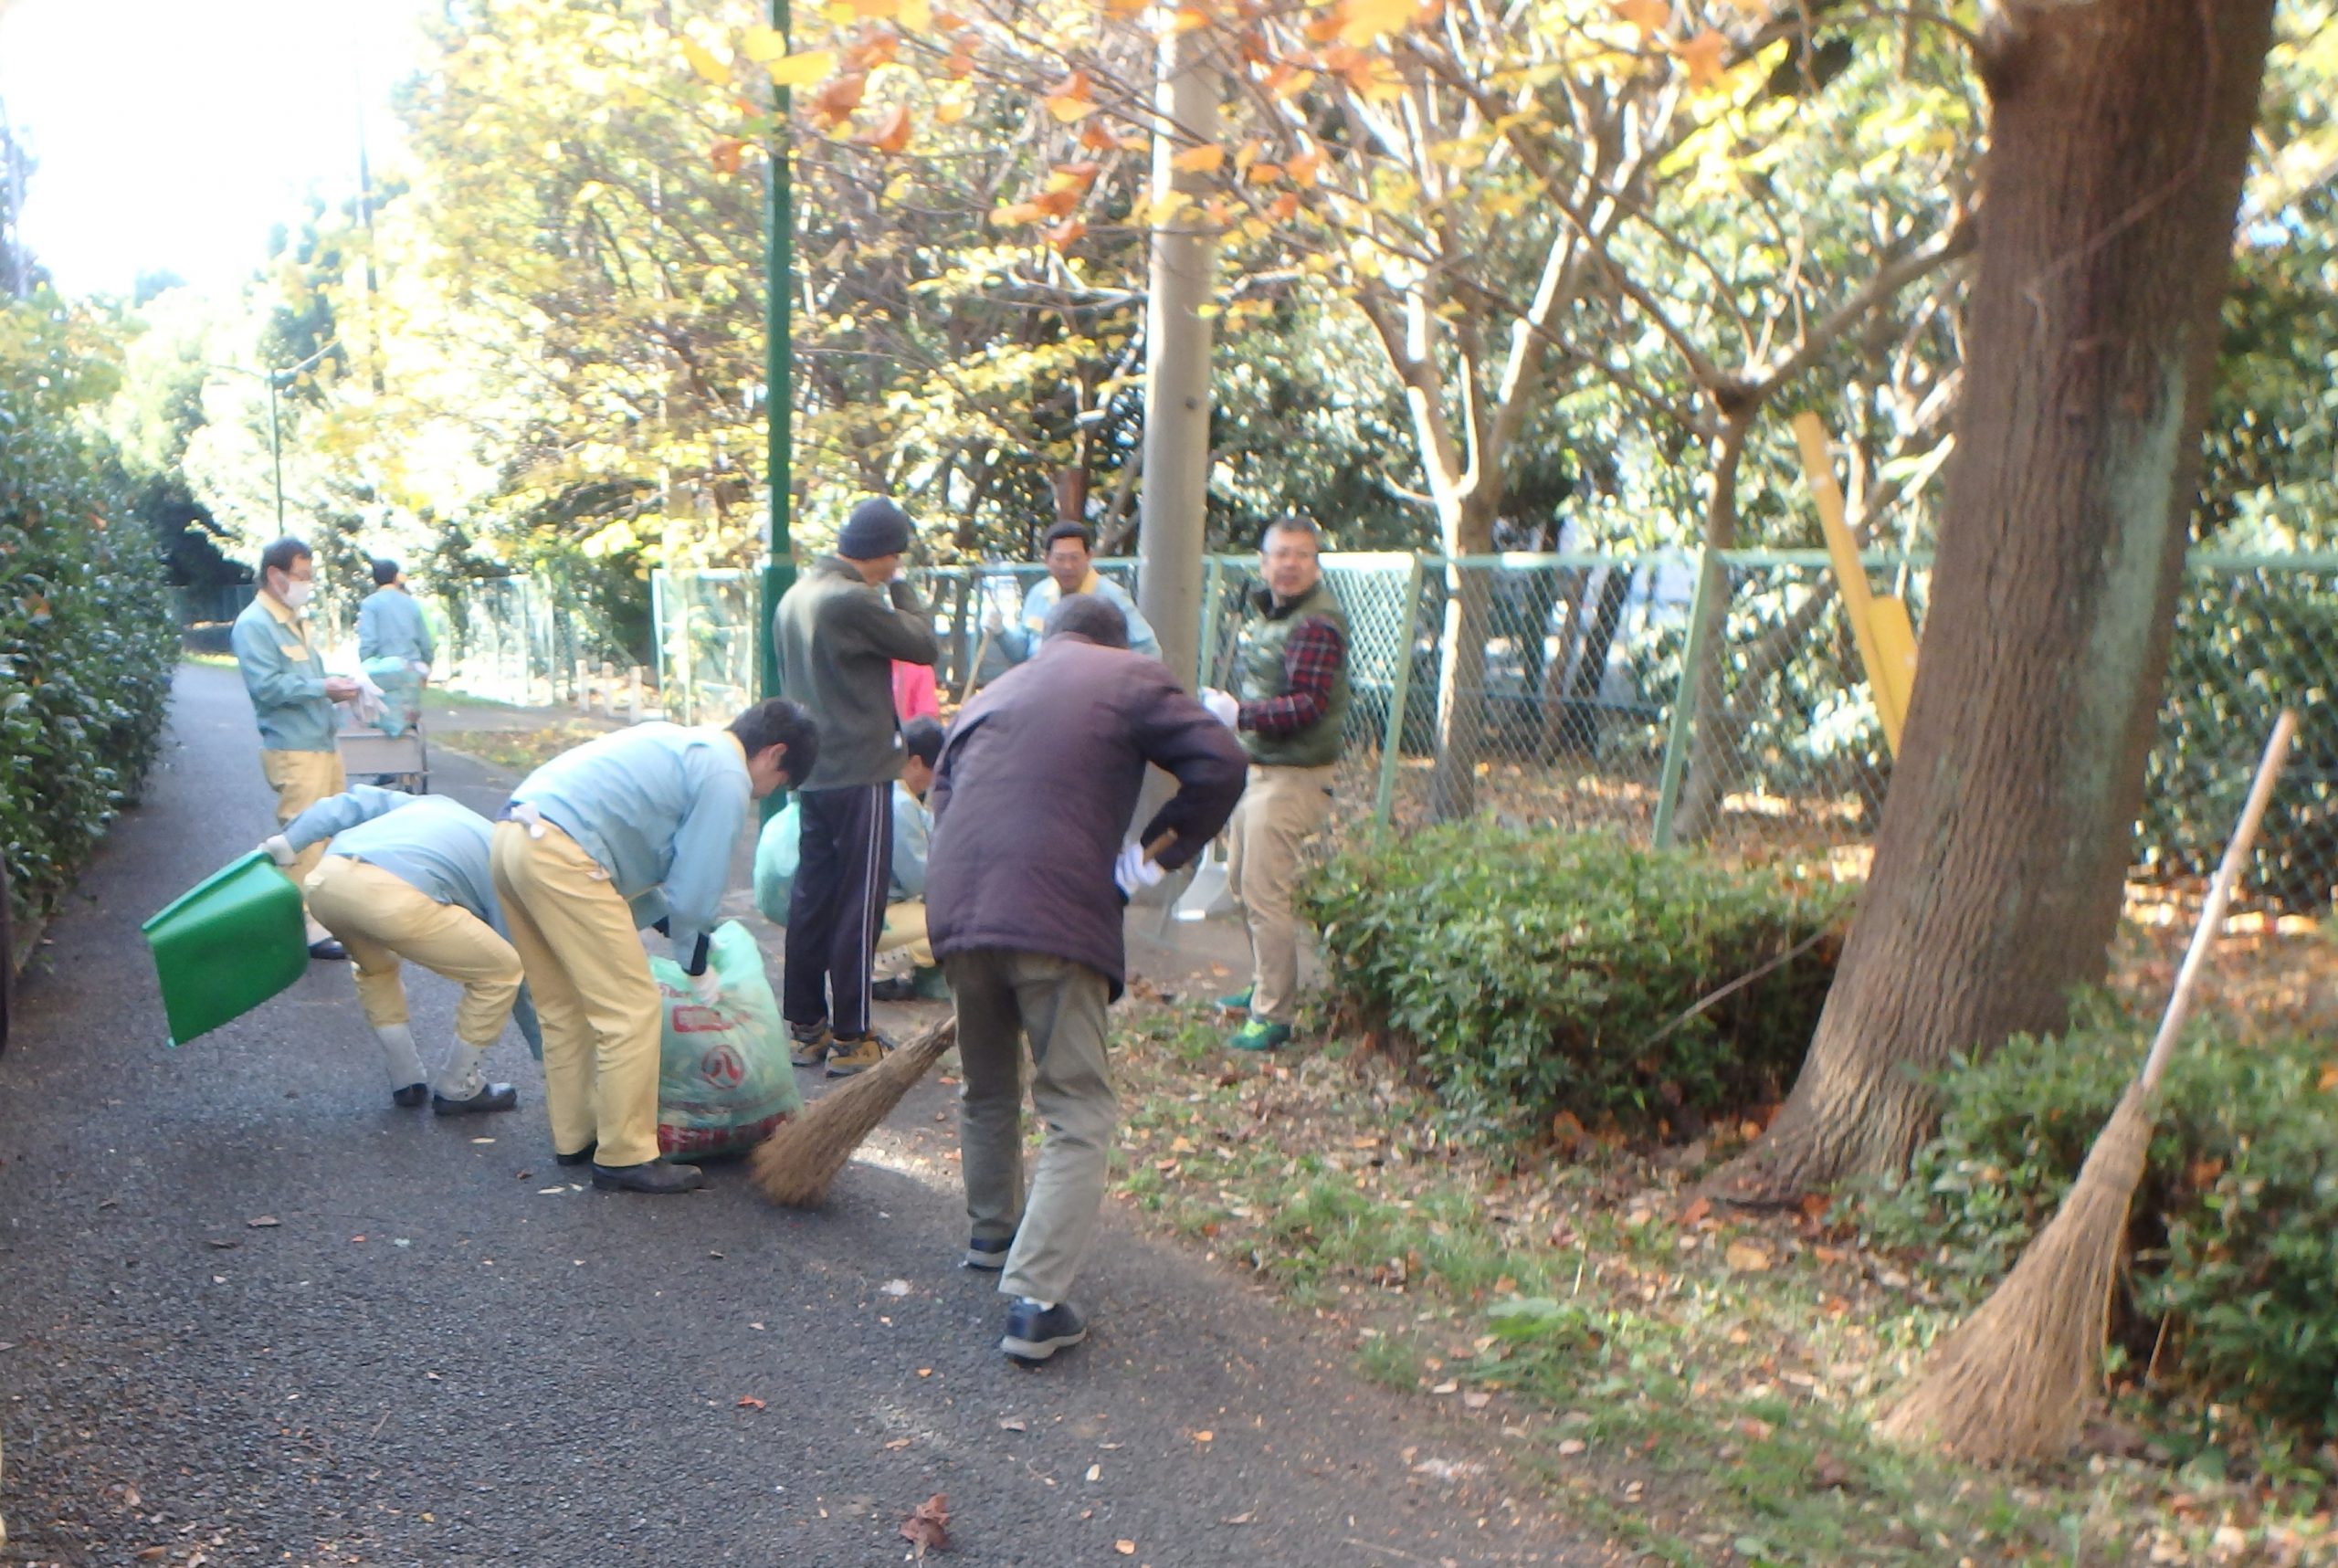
[
  {"x": 1257, "y": 1035},
  {"x": 1235, "y": 1001}
]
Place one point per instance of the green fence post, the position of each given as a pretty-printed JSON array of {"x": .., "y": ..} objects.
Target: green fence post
[
  {"x": 1205, "y": 645},
  {"x": 1400, "y": 695},
  {"x": 1684, "y": 700}
]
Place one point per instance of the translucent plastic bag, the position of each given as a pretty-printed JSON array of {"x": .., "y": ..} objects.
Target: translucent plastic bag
[
  {"x": 723, "y": 1078},
  {"x": 401, "y": 694}
]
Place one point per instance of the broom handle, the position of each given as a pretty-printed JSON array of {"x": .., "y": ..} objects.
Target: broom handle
[
  {"x": 982, "y": 646},
  {"x": 2212, "y": 912},
  {"x": 1159, "y": 847}
]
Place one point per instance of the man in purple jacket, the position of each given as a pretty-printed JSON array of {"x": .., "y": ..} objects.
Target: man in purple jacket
[{"x": 1025, "y": 884}]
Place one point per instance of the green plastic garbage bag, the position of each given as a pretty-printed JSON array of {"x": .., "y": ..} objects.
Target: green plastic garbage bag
[
  {"x": 777, "y": 851},
  {"x": 401, "y": 694},
  {"x": 723, "y": 1078}
]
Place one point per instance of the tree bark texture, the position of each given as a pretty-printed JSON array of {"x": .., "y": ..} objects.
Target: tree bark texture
[
  {"x": 1710, "y": 752},
  {"x": 2119, "y": 139}
]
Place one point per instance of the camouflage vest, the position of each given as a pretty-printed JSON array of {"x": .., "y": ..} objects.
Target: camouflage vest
[{"x": 1258, "y": 675}]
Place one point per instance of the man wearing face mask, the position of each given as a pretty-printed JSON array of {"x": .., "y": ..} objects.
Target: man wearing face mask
[{"x": 293, "y": 698}]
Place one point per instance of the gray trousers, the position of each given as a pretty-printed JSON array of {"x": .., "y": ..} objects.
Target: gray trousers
[{"x": 1004, "y": 996}]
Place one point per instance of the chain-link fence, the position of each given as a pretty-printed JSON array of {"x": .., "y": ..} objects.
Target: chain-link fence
[{"x": 1672, "y": 704}]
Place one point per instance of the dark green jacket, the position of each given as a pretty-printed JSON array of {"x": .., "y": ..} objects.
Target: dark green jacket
[
  {"x": 837, "y": 638},
  {"x": 1260, "y": 675}
]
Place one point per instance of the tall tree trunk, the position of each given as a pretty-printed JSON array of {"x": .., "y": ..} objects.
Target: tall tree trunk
[
  {"x": 1461, "y": 674},
  {"x": 2121, "y": 132},
  {"x": 1711, "y": 747}
]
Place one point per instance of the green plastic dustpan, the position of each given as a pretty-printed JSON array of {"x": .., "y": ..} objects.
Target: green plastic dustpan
[{"x": 228, "y": 945}]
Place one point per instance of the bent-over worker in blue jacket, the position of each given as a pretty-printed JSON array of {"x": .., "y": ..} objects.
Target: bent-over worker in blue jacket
[
  {"x": 626, "y": 830},
  {"x": 406, "y": 878}
]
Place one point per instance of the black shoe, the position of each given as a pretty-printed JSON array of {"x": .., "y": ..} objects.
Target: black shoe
[
  {"x": 1034, "y": 1334},
  {"x": 326, "y": 947},
  {"x": 412, "y": 1095},
  {"x": 578, "y": 1158},
  {"x": 987, "y": 1254},
  {"x": 492, "y": 1096},
  {"x": 893, "y": 989},
  {"x": 649, "y": 1176}
]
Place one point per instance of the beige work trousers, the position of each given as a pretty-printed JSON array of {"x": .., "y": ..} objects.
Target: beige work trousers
[
  {"x": 1006, "y": 997},
  {"x": 382, "y": 919},
  {"x": 301, "y": 779},
  {"x": 1283, "y": 807},
  {"x": 589, "y": 977},
  {"x": 905, "y": 928}
]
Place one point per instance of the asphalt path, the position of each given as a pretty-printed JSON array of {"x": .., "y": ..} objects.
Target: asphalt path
[{"x": 250, "y": 1312}]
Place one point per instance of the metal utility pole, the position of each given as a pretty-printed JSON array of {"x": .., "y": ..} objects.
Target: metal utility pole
[
  {"x": 276, "y": 452},
  {"x": 1175, "y": 507},
  {"x": 779, "y": 382}
]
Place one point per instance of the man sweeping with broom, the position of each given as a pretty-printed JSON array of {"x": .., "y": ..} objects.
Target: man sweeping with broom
[{"x": 1025, "y": 889}]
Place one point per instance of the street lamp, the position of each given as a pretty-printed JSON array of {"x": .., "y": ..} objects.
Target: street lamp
[{"x": 276, "y": 379}]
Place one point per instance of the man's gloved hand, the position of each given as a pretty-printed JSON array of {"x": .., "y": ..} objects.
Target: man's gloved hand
[
  {"x": 707, "y": 987},
  {"x": 1132, "y": 872},
  {"x": 994, "y": 619},
  {"x": 279, "y": 849},
  {"x": 1221, "y": 705}
]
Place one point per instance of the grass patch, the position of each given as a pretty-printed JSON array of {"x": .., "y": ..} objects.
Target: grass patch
[
  {"x": 519, "y": 751},
  {"x": 1696, "y": 1385}
]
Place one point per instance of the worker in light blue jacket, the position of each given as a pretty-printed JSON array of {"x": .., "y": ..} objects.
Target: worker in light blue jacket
[
  {"x": 627, "y": 830},
  {"x": 390, "y": 624},
  {"x": 406, "y": 878},
  {"x": 1070, "y": 553}
]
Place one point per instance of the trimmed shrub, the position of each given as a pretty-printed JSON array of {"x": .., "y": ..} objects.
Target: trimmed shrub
[
  {"x": 2233, "y": 1237},
  {"x": 1535, "y": 973},
  {"x": 87, "y": 641}
]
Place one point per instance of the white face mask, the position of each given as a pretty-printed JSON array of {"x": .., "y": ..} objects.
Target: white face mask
[{"x": 296, "y": 592}]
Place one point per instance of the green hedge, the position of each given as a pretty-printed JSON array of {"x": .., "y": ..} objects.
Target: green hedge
[
  {"x": 87, "y": 641},
  {"x": 2232, "y": 1266},
  {"x": 1540, "y": 973}
]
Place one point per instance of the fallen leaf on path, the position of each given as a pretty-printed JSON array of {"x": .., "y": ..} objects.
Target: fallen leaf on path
[
  {"x": 1448, "y": 1386},
  {"x": 1204, "y": 1436},
  {"x": 482, "y": 1140},
  {"x": 928, "y": 1525},
  {"x": 896, "y": 1287},
  {"x": 1570, "y": 1447},
  {"x": 152, "y": 1552},
  {"x": 1476, "y": 1400},
  {"x": 223, "y": 1242},
  {"x": 1012, "y": 1424},
  {"x": 1125, "y": 1547},
  {"x": 749, "y": 1402},
  {"x": 1746, "y": 1258},
  {"x": 551, "y": 1192},
  {"x": 1240, "y": 1519},
  {"x": 899, "y": 1443},
  {"x": 263, "y": 1222}
]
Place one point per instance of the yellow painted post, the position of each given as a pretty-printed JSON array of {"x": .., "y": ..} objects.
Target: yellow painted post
[{"x": 1879, "y": 627}]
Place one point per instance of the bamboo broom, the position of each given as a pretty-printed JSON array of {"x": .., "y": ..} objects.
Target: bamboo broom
[
  {"x": 795, "y": 1165},
  {"x": 2008, "y": 1386}
]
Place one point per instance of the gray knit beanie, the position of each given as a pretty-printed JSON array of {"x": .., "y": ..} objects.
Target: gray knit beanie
[{"x": 877, "y": 528}]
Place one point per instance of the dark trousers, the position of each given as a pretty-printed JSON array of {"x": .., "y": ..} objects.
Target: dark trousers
[{"x": 837, "y": 905}]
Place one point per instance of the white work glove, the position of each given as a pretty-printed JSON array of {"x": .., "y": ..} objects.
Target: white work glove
[
  {"x": 993, "y": 620},
  {"x": 707, "y": 987},
  {"x": 279, "y": 849},
  {"x": 1221, "y": 705},
  {"x": 526, "y": 814},
  {"x": 1133, "y": 873}
]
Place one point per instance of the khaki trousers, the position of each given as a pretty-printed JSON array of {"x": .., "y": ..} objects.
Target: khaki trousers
[
  {"x": 382, "y": 919},
  {"x": 1006, "y": 996},
  {"x": 905, "y": 928},
  {"x": 301, "y": 779},
  {"x": 1283, "y": 807},
  {"x": 589, "y": 976}
]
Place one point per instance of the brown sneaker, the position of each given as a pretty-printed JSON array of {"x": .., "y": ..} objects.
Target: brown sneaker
[
  {"x": 858, "y": 1054},
  {"x": 812, "y": 1051}
]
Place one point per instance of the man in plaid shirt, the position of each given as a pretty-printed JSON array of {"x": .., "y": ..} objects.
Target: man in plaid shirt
[{"x": 1288, "y": 706}]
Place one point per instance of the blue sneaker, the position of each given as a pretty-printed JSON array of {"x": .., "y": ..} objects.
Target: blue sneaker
[
  {"x": 988, "y": 1252},
  {"x": 1035, "y": 1333}
]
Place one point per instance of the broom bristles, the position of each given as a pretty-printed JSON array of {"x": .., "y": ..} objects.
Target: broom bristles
[
  {"x": 793, "y": 1166},
  {"x": 2009, "y": 1383}
]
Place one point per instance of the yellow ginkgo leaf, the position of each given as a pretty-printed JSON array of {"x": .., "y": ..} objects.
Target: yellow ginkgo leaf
[
  {"x": 1166, "y": 207},
  {"x": 703, "y": 62},
  {"x": 917, "y": 15},
  {"x": 1700, "y": 56},
  {"x": 1369, "y": 21},
  {"x": 952, "y": 109},
  {"x": 877, "y": 10},
  {"x": 1202, "y": 159},
  {"x": 803, "y": 70},
  {"x": 760, "y": 44}
]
